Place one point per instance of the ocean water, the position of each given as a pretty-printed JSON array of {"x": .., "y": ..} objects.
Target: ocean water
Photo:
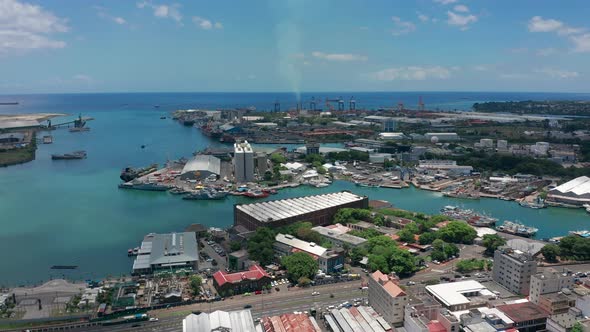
[{"x": 72, "y": 213}]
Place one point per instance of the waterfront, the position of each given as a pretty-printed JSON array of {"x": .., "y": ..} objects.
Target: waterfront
[{"x": 71, "y": 212}]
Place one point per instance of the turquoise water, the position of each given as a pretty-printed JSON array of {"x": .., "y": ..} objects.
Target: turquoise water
[{"x": 72, "y": 213}]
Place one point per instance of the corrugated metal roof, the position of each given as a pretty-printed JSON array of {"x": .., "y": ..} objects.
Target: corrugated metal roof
[
  {"x": 235, "y": 321},
  {"x": 578, "y": 186},
  {"x": 294, "y": 242},
  {"x": 203, "y": 163},
  {"x": 18, "y": 124},
  {"x": 286, "y": 208}
]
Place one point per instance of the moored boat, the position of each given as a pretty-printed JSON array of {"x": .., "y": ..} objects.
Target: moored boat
[
  {"x": 519, "y": 229},
  {"x": 68, "y": 156}
]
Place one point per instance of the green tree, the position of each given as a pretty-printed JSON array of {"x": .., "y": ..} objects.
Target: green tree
[
  {"x": 260, "y": 245},
  {"x": 492, "y": 242},
  {"x": 357, "y": 254},
  {"x": 235, "y": 245},
  {"x": 468, "y": 265},
  {"x": 348, "y": 215},
  {"x": 577, "y": 327},
  {"x": 380, "y": 240},
  {"x": 306, "y": 234},
  {"x": 195, "y": 284},
  {"x": 300, "y": 265},
  {"x": 402, "y": 262},
  {"x": 458, "y": 232},
  {"x": 277, "y": 158},
  {"x": 428, "y": 237},
  {"x": 303, "y": 282},
  {"x": 407, "y": 234},
  {"x": 378, "y": 262},
  {"x": 550, "y": 252}
]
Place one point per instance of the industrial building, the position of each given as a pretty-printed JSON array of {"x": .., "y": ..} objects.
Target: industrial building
[
  {"x": 243, "y": 162},
  {"x": 356, "y": 319},
  {"x": 338, "y": 237},
  {"x": 461, "y": 295},
  {"x": 549, "y": 282},
  {"x": 574, "y": 193},
  {"x": 328, "y": 260},
  {"x": 167, "y": 251},
  {"x": 387, "y": 298},
  {"x": 513, "y": 269},
  {"x": 261, "y": 163},
  {"x": 290, "y": 322},
  {"x": 234, "y": 321},
  {"x": 201, "y": 167},
  {"x": 11, "y": 138},
  {"x": 441, "y": 137},
  {"x": 229, "y": 284},
  {"x": 317, "y": 209}
]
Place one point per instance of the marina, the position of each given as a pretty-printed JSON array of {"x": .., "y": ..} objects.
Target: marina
[{"x": 97, "y": 222}]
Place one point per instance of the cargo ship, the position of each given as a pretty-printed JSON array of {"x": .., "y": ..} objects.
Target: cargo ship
[
  {"x": 68, "y": 156},
  {"x": 519, "y": 229},
  {"x": 471, "y": 217},
  {"x": 130, "y": 173}
]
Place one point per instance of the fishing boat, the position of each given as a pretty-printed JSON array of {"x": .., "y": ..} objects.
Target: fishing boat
[
  {"x": 519, "y": 229},
  {"x": 68, "y": 156},
  {"x": 178, "y": 191},
  {"x": 470, "y": 216},
  {"x": 536, "y": 204},
  {"x": 256, "y": 194}
]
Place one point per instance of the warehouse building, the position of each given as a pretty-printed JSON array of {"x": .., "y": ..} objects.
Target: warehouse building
[
  {"x": 338, "y": 237},
  {"x": 574, "y": 193},
  {"x": 167, "y": 251},
  {"x": 317, "y": 209},
  {"x": 201, "y": 167},
  {"x": 462, "y": 295},
  {"x": 239, "y": 321}
]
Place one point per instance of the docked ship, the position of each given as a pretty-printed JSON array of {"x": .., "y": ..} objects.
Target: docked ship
[
  {"x": 206, "y": 194},
  {"x": 130, "y": 173},
  {"x": 256, "y": 194},
  {"x": 536, "y": 204},
  {"x": 461, "y": 194},
  {"x": 148, "y": 186},
  {"x": 585, "y": 234},
  {"x": 471, "y": 217},
  {"x": 519, "y": 229},
  {"x": 178, "y": 191},
  {"x": 68, "y": 156}
]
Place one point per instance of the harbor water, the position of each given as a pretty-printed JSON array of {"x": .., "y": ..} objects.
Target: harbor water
[{"x": 70, "y": 212}]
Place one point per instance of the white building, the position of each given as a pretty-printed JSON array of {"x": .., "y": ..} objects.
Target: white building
[
  {"x": 551, "y": 282},
  {"x": 243, "y": 162},
  {"x": 540, "y": 148},
  {"x": 442, "y": 137},
  {"x": 486, "y": 143},
  {"x": 462, "y": 295},
  {"x": 387, "y": 298},
  {"x": 502, "y": 144},
  {"x": 329, "y": 261},
  {"x": 338, "y": 237},
  {"x": 513, "y": 269}
]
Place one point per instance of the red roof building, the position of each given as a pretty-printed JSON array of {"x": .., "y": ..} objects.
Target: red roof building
[
  {"x": 290, "y": 323},
  {"x": 235, "y": 283}
]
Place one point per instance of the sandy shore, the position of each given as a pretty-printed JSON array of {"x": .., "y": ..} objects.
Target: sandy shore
[{"x": 27, "y": 117}]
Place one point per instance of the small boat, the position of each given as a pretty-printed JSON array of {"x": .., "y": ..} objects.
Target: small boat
[
  {"x": 256, "y": 194},
  {"x": 206, "y": 194},
  {"x": 162, "y": 118},
  {"x": 47, "y": 139},
  {"x": 64, "y": 267},
  {"x": 178, "y": 191},
  {"x": 68, "y": 156},
  {"x": 585, "y": 234},
  {"x": 587, "y": 207}
]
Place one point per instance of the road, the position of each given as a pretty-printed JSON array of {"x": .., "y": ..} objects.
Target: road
[{"x": 275, "y": 303}]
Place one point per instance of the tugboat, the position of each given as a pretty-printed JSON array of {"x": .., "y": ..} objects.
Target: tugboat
[
  {"x": 256, "y": 194},
  {"x": 68, "y": 156},
  {"x": 515, "y": 228}
]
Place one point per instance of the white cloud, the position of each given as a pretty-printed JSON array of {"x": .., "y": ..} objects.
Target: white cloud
[
  {"x": 83, "y": 78},
  {"x": 445, "y": 2},
  {"x": 24, "y": 26},
  {"x": 557, "y": 73},
  {"x": 422, "y": 17},
  {"x": 402, "y": 27},
  {"x": 513, "y": 76},
  {"x": 538, "y": 24},
  {"x": 481, "y": 67},
  {"x": 581, "y": 43},
  {"x": 461, "y": 9},
  {"x": 412, "y": 73},
  {"x": 206, "y": 24},
  {"x": 546, "y": 51},
  {"x": 459, "y": 20},
  {"x": 103, "y": 13},
  {"x": 163, "y": 11},
  {"x": 339, "y": 56}
]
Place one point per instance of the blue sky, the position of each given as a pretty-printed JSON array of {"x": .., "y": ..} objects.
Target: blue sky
[{"x": 55, "y": 46}]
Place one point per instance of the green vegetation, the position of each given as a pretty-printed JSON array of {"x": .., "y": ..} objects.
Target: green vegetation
[
  {"x": 350, "y": 215},
  {"x": 317, "y": 159},
  {"x": 492, "y": 242},
  {"x": 299, "y": 265},
  {"x": 348, "y": 156},
  {"x": 573, "y": 247},
  {"x": 195, "y": 284},
  {"x": 368, "y": 233},
  {"x": 577, "y": 327},
  {"x": 428, "y": 238},
  {"x": 535, "y": 107},
  {"x": 277, "y": 158},
  {"x": 235, "y": 245},
  {"x": 260, "y": 245},
  {"x": 301, "y": 230},
  {"x": 551, "y": 252},
  {"x": 457, "y": 232},
  {"x": 408, "y": 232},
  {"x": 441, "y": 251},
  {"x": 468, "y": 265},
  {"x": 18, "y": 155},
  {"x": 384, "y": 255}
]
